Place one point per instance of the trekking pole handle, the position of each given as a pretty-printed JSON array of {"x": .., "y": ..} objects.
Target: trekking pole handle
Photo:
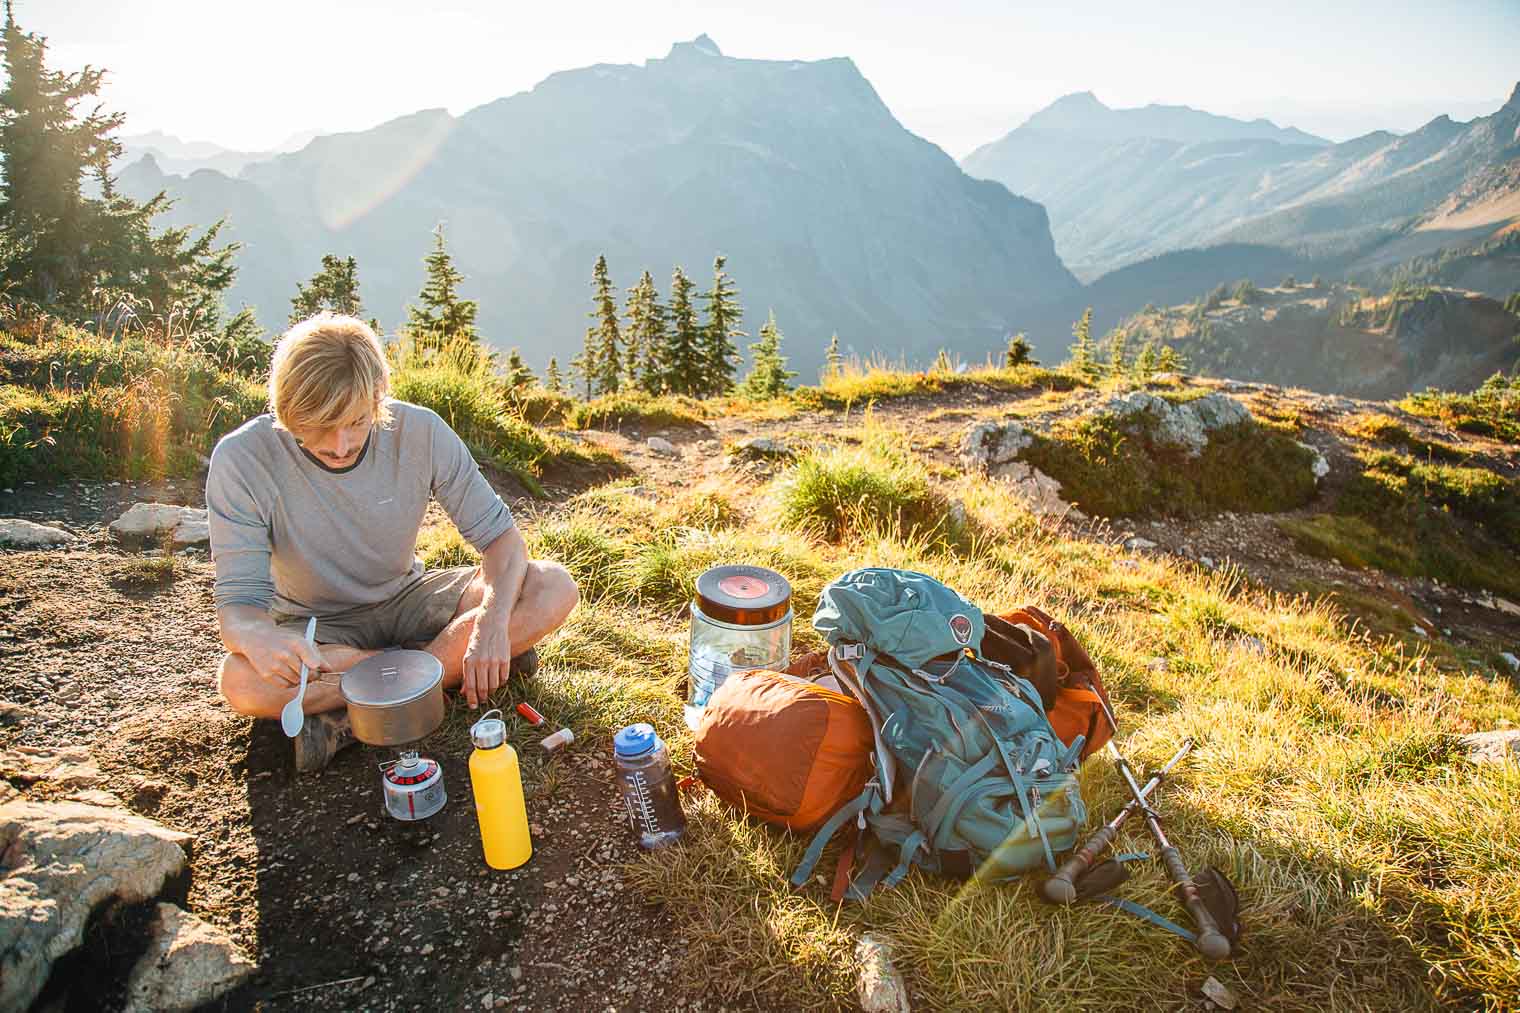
[
  {"x": 1211, "y": 942},
  {"x": 1061, "y": 888}
]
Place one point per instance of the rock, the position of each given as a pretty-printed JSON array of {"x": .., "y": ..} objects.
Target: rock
[
  {"x": 187, "y": 963},
  {"x": 1206, "y": 562},
  {"x": 69, "y": 767},
  {"x": 660, "y": 445},
  {"x": 763, "y": 446},
  {"x": 1158, "y": 665},
  {"x": 1253, "y": 645},
  {"x": 1040, "y": 494},
  {"x": 957, "y": 514},
  {"x": 1166, "y": 378},
  {"x": 1506, "y": 606},
  {"x": 148, "y": 522},
  {"x": 64, "y": 860},
  {"x": 986, "y": 445},
  {"x": 12, "y": 713},
  {"x": 1418, "y": 631},
  {"x": 1216, "y": 992},
  {"x": 878, "y": 984},
  {"x": 1319, "y": 465},
  {"x": 1184, "y": 425},
  {"x": 17, "y": 533},
  {"x": 1127, "y": 564},
  {"x": 1216, "y": 411},
  {"x": 1497, "y": 746},
  {"x": 1137, "y": 544},
  {"x": 1510, "y": 660}
]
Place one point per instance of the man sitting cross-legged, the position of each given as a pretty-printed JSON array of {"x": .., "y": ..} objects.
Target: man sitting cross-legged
[{"x": 315, "y": 510}]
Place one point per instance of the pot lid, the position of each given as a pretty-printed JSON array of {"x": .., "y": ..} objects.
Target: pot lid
[
  {"x": 391, "y": 678},
  {"x": 743, "y": 595}
]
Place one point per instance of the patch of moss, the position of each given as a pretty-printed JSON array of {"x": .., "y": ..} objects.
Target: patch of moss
[{"x": 1118, "y": 468}]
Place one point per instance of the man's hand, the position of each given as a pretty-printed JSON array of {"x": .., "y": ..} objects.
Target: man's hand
[
  {"x": 487, "y": 657},
  {"x": 276, "y": 654}
]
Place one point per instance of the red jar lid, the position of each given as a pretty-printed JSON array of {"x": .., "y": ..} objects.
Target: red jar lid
[{"x": 743, "y": 595}]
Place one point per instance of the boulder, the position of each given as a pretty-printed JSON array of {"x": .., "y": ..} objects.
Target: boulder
[
  {"x": 988, "y": 445},
  {"x": 62, "y": 861},
  {"x": 762, "y": 446},
  {"x": 1510, "y": 660},
  {"x": 1498, "y": 746},
  {"x": 1137, "y": 544},
  {"x": 878, "y": 984},
  {"x": 1186, "y": 425},
  {"x": 17, "y": 533},
  {"x": 1319, "y": 466},
  {"x": 660, "y": 445},
  {"x": 1040, "y": 494},
  {"x": 149, "y": 522},
  {"x": 187, "y": 963}
]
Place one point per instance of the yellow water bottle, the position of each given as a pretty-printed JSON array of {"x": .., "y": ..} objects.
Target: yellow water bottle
[{"x": 497, "y": 783}]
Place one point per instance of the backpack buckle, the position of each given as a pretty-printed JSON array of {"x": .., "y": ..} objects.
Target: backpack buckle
[{"x": 851, "y": 652}]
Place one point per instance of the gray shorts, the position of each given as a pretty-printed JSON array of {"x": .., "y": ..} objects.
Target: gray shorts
[{"x": 413, "y": 616}]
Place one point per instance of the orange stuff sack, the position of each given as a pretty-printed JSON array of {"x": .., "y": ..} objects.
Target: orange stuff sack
[
  {"x": 1077, "y": 709},
  {"x": 783, "y": 749}
]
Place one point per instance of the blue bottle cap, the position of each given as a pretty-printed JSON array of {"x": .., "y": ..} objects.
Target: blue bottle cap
[{"x": 635, "y": 740}]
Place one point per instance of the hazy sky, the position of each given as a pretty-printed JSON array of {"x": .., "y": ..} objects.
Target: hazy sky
[{"x": 959, "y": 72}]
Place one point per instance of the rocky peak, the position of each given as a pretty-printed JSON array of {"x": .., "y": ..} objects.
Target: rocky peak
[{"x": 702, "y": 45}]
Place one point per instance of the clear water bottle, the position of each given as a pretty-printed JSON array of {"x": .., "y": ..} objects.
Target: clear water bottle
[{"x": 648, "y": 786}]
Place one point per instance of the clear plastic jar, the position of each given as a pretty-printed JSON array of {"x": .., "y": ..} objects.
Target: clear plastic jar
[
  {"x": 648, "y": 787},
  {"x": 741, "y": 618}
]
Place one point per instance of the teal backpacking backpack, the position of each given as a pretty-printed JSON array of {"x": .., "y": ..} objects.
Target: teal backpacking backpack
[{"x": 970, "y": 777}]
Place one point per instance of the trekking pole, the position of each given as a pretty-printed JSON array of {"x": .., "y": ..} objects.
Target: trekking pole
[
  {"x": 1061, "y": 888},
  {"x": 1211, "y": 942}
]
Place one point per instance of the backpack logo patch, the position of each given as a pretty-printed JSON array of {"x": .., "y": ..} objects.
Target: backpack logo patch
[{"x": 960, "y": 629}]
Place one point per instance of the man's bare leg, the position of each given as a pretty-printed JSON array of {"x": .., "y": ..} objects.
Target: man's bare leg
[{"x": 548, "y": 595}]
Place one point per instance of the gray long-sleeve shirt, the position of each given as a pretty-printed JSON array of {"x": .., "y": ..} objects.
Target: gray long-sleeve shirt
[{"x": 289, "y": 534}]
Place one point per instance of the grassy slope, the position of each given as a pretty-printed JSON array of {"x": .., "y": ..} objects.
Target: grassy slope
[{"x": 1378, "y": 869}]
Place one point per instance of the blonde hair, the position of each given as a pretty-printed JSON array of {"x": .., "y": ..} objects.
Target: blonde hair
[{"x": 326, "y": 369}]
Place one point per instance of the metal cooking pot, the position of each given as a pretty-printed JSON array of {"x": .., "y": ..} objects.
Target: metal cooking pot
[{"x": 394, "y": 697}]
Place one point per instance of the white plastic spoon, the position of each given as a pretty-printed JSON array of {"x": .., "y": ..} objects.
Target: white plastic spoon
[{"x": 294, "y": 714}]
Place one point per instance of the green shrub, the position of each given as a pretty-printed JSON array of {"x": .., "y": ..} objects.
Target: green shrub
[
  {"x": 1117, "y": 468},
  {"x": 1491, "y": 410},
  {"x": 614, "y": 411},
  {"x": 471, "y": 404},
  {"x": 877, "y": 487}
]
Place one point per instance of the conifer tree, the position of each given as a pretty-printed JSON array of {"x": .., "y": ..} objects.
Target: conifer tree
[
  {"x": 683, "y": 367},
  {"x": 1118, "y": 350},
  {"x": 1083, "y": 360},
  {"x": 334, "y": 288},
  {"x": 442, "y": 313},
  {"x": 719, "y": 353},
  {"x": 516, "y": 372},
  {"x": 768, "y": 374},
  {"x": 580, "y": 373},
  {"x": 554, "y": 380},
  {"x": 59, "y": 244},
  {"x": 645, "y": 336},
  {"x": 603, "y": 359},
  {"x": 833, "y": 358},
  {"x": 1145, "y": 362},
  {"x": 1170, "y": 360},
  {"x": 1018, "y": 352}
]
